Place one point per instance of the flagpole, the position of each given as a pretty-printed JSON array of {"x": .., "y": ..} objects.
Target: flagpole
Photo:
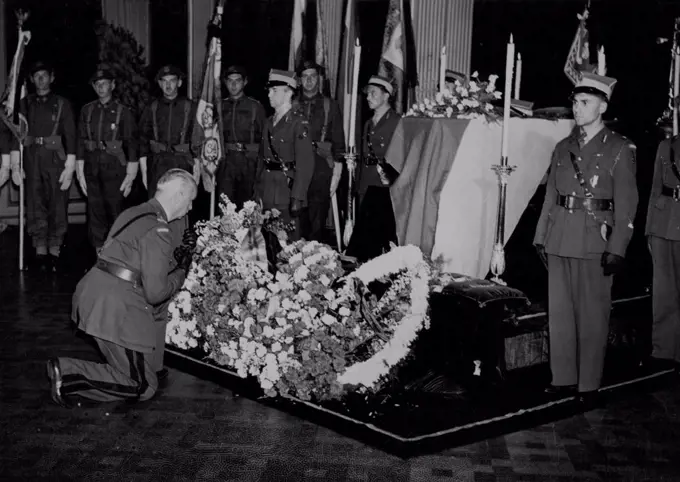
[{"x": 21, "y": 206}]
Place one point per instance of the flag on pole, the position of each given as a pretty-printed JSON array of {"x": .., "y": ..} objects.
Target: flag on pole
[
  {"x": 207, "y": 131},
  {"x": 16, "y": 88},
  {"x": 321, "y": 49},
  {"x": 578, "y": 59},
  {"x": 398, "y": 59},
  {"x": 343, "y": 90},
  {"x": 296, "y": 53}
]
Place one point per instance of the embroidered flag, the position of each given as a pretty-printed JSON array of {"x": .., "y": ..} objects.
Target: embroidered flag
[
  {"x": 16, "y": 89},
  {"x": 578, "y": 59}
]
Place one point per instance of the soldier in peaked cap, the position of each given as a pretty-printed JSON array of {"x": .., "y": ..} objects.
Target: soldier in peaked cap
[
  {"x": 663, "y": 234},
  {"x": 286, "y": 159},
  {"x": 165, "y": 130},
  {"x": 375, "y": 227},
  {"x": 582, "y": 234},
  {"x": 107, "y": 156},
  {"x": 325, "y": 129},
  {"x": 49, "y": 164},
  {"x": 243, "y": 120}
]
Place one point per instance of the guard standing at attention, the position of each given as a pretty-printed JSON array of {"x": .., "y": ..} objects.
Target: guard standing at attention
[
  {"x": 114, "y": 301},
  {"x": 286, "y": 159},
  {"x": 49, "y": 164},
  {"x": 582, "y": 234},
  {"x": 107, "y": 156},
  {"x": 325, "y": 129},
  {"x": 376, "y": 227},
  {"x": 165, "y": 131},
  {"x": 243, "y": 120},
  {"x": 663, "y": 232}
]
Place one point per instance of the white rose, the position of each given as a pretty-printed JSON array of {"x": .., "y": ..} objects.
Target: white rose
[
  {"x": 261, "y": 351},
  {"x": 344, "y": 311},
  {"x": 328, "y": 319},
  {"x": 210, "y": 330},
  {"x": 304, "y": 296},
  {"x": 276, "y": 347},
  {"x": 266, "y": 384},
  {"x": 329, "y": 295}
]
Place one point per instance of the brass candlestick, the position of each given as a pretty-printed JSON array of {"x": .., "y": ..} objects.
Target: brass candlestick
[{"x": 503, "y": 172}]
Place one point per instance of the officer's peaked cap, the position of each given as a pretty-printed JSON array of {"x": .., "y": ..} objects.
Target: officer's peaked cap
[
  {"x": 309, "y": 64},
  {"x": 595, "y": 85},
  {"x": 282, "y": 77},
  {"x": 382, "y": 82},
  {"x": 102, "y": 73},
  {"x": 235, "y": 69},
  {"x": 169, "y": 70},
  {"x": 39, "y": 65}
]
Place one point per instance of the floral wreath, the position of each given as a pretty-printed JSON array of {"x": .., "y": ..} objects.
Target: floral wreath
[{"x": 409, "y": 258}]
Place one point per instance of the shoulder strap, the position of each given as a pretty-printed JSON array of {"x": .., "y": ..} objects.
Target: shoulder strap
[
  {"x": 60, "y": 105},
  {"x": 326, "y": 111},
  {"x": 579, "y": 175},
  {"x": 125, "y": 226},
  {"x": 252, "y": 123},
  {"x": 185, "y": 121},
  {"x": 119, "y": 112},
  {"x": 88, "y": 120},
  {"x": 154, "y": 120}
]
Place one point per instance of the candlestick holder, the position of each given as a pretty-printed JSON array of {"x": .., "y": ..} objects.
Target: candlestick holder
[
  {"x": 351, "y": 161},
  {"x": 503, "y": 171}
]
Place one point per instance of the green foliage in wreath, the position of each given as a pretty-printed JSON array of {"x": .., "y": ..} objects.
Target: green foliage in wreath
[{"x": 120, "y": 52}]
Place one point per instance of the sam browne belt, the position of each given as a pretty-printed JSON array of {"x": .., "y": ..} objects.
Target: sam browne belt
[
  {"x": 673, "y": 192},
  {"x": 119, "y": 272},
  {"x": 586, "y": 204}
]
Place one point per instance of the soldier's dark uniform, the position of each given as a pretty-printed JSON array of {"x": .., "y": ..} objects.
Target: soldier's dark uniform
[
  {"x": 663, "y": 229},
  {"x": 51, "y": 137},
  {"x": 579, "y": 292},
  {"x": 243, "y": 122},
  {"x": 6, "y": 138},
  {"x": 165, "y": 134},
  {"x": 375, "y": 225},
  {"x": 285, "y": 166},
  {"x": 106, "y": 141},
  {"x": 325, "y": 129},
  {"x": 114, "y": 304}
]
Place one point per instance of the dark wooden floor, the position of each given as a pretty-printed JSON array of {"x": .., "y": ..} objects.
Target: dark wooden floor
[{"x": 196, "y": 430}]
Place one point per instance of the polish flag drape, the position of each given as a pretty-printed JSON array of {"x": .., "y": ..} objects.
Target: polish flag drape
[
  {"x": 346, "y": 67},
  {"x": 207, "y": 129},
  {"x": 297, "y": 35},
  {"x": 308, "y": 38},
  {"x": 578, "y": 59},
  {"x": 398, "y": 59},
  {"x": 16, "y": 89}
]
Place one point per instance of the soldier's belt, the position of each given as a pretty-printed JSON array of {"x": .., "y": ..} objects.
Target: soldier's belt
[
  {"x": 587, "y": 204},
  {"x": 673, "y": 192},
  {"x": 42, "y": 141},
  {"x": 159, "y": 147},
  {"x": 119, "y": 272},
  {"x": 370, "y": 161},
  {"x": 278, "y": 166},
  {"x": 241, "y": 147},
  {"x": 95, "y": 146}
]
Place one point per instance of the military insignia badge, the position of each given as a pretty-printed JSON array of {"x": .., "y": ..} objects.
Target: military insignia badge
[{"x": 593, "y": 180}]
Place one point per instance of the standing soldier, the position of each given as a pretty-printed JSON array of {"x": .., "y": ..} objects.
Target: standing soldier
[
  {"x": 164, "y": 144},
  {"x": 375, "y": 227},
  {"x": 286, "y": 160},
  {"x": 49, "y": 164},
  {"x": 164, "y": 131},
  {"x": 325, "y": 130},
  {"x": 107, "y": 156},
  {"x": 663, "y": 231},
  {"x": 582, "y": 234},
  {"x": 243, "y": 120}
]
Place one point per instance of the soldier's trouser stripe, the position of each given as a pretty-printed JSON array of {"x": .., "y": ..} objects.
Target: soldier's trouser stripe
[{"x": 76, "y": 383}]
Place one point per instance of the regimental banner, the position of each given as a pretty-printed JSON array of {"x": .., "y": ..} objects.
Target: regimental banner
[{"x": 578, "y": 59}]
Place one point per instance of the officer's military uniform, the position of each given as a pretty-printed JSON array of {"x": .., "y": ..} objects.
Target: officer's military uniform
[
  {"x": 51, "y": 137},
  {"x": 325, "y": 129},
  {"x": 165, "y": 135},
  {"x": 663, "y": 229},
  {"x": 286, "y": 156},
  {"x": 106, "y": 142},
  {"x": 375, "y": 226},
  {"x": 573, "y": 234},
  {"x": 114, "y": 304},
  {"x": 243, "y": 121}
]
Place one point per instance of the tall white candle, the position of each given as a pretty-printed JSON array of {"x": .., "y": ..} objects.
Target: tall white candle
[
  {"x": 518, "y": 75},
  {"x": 601, "y": 62},
  {"x": 507, "y": 93},
  {"x": 442, "y": 70},
  {"x": 676, "y": 90},
  {"x": 355, "y": 91}
]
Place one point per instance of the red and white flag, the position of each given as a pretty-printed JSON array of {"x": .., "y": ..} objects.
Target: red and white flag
[
  {"x": 297, "y": 35},
  {"x": 343, "y": 90},
  {"x": 16, "y": 89}
]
